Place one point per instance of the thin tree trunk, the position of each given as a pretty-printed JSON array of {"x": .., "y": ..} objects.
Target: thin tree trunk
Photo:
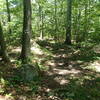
[
  {"x": 3, "y": 46},
  {"x": 41, "y": 21},
  {"x": 8, "y": 13},
  {"x": 68, "y": 26},
  {"x": 85, "y": 19},
  {"x": 42, "y": 29},
  {"x": 56, "y": 26},
  {"x": 78, "y": 38},
  {"x": 26, "y": 36}
]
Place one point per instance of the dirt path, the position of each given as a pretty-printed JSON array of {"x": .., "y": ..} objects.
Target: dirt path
[
  {"x": 71, "y": 74},
  {"x": 69, "y": 66}
]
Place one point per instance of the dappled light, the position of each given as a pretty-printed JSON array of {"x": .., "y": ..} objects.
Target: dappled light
[
  {"x": 35, "y": 48},
  {"x": 62, "y": 70},
  {"x": 65, "y": 72},
  {"x": 95, "y": 65},
  {"x": 49, "y": 49},
  {"x": 18, "y": 49}
]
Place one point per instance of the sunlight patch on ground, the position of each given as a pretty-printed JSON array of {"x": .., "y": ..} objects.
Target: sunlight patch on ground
[
  {"x": 49, "y": 47},
  {"x": 79, "y": 61},
  {"x": 51, "y": 63},
  {"x": 61, "y": 80},
  {"x": 37, "y": 50},
  {"x": 64, "y": 55},
  {"x": 64, "y": 72},
  {"x": 13, "y": 60},
  {"x": 95, "y": 66},
  {"x": 60, "y": 64},
  {"x": 57, "y": 56},
  {"x": 2, "y": 97},
  {"x": 18, "y": 49}
]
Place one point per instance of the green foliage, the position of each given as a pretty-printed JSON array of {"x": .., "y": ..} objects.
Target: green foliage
[
  {"x": 76, "y": 90},
  {"x": 85, "y": 35},
  {"x": 89, "y": 19}
]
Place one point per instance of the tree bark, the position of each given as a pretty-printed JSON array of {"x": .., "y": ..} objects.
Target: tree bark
[
  {"x": 86, "y": 24},
  {"x": 3, "y": 46},
  {"x": 41, "y": 21},
  {"x": 56, "y": 26},
  {"x": 68, "y": 26},
  {"x": 26, "y": 36},
  {"x": 78, "y": 24},
  {"x": 8, "y": 13}
]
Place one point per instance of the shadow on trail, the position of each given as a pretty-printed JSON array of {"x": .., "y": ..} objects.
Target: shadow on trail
[
  {"x": 68, "y": 76},
  {"x": 64, "y": 56}
]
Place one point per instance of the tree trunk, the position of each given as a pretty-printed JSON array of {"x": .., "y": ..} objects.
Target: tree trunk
[
  {"x": 3, "y": 46},
  {"x": 26, "y": 36},
  {"x": 8, "y": 13},
  {"x": 41, "y": 21},
  {"x": 42, "y": 24},
  {"x": 86, "y": 24},
  {"x": 78, "y": 24},
  {"x": 56, "y": 26},
  {"x": 68, "y": 26}
]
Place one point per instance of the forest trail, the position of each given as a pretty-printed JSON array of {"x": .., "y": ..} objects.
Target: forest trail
[
  {"x": 61, "y": 68},
  {"x": 69, "y": 66},
  {"x": 69, "y": 72}
]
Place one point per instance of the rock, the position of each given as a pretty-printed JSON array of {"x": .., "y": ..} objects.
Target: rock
[{"x": 28, "y": 72}]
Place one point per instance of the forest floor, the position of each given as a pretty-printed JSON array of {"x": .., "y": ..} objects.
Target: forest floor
[{"x": 69, "y": 73}]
